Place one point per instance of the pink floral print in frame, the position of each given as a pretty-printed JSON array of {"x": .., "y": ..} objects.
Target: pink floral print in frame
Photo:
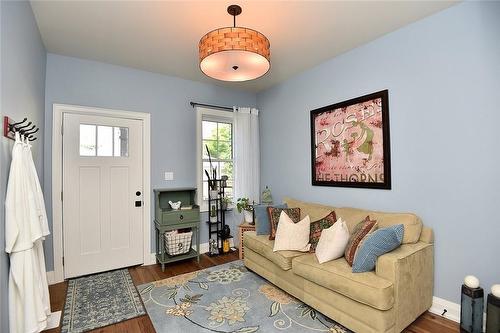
[{"x": 350, "y": 143}]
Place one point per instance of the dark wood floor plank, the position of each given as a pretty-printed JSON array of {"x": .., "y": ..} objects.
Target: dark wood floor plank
[{"x": 427, "y": 323}]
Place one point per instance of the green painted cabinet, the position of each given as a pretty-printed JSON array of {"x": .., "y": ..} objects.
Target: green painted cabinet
[{"x": 167, "y": 219}]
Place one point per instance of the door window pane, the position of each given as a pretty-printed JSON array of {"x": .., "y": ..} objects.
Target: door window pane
[
  {"x": 120, "y": 141},
  {"x": 87, "y": 140},
  {"x": 102, "y": 141}
]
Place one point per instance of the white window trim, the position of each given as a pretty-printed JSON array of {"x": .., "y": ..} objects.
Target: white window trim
[{"x": 206, "y": 114}]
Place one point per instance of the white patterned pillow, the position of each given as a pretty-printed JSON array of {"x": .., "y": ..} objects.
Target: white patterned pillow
[
  {"x": 292, "y": 236},
  {"x": 332, "y": 242}
]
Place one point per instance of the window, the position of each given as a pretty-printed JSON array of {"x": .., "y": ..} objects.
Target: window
[
  {"x": 96, "y": 140},
  {"x": 215, "y": 132},
  {"x": 218, "y": 138}
]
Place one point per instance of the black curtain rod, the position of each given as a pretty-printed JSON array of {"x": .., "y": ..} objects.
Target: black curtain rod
[{"x": 225, "y": 108}]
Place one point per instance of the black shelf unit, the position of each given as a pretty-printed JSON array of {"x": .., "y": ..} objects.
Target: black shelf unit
[{"x": 215, "y": 207}]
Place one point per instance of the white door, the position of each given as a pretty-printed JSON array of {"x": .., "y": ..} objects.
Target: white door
[{"x": 102, "y": 193}]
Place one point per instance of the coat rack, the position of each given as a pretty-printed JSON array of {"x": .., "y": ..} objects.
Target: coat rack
[{"x": 24, "y": 127}]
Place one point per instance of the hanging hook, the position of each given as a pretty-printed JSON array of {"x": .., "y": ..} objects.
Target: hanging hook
[
  {"x": 19, "y": 123},
  {"x": 12, "y": 127},
  {"x": 21, "y": 127},
  {"x": 30, "y": 131},
  {"x": 31, "y": 138}
]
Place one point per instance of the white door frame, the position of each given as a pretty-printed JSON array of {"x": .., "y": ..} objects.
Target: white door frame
[{"x": 57, "y": 230}]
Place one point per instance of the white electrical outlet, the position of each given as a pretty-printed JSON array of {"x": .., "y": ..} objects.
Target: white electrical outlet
[{"x": 169, "y": 175}]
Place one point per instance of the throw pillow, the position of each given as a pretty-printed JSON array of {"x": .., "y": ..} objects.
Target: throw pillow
[
  {"x": 360, "y": 231},
  {"x": 332, "y": 242},
  {"x": 262, "y": 224},
  {"x": 318, "y": 226},
  {"x": 274, "y": 217},
  {"x": 292, "y": 236},
  {"x": 376, "y": 244}
]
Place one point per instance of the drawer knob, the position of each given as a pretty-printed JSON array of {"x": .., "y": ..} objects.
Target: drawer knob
[{"x": 181, "y": 217}]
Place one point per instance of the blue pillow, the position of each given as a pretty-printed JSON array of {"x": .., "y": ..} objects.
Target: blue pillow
[
  {"x": 376, "y": 244},
  {"x": 262, "y": 224}
]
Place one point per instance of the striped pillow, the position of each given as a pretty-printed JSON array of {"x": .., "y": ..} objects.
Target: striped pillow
[
  {"x": 318, "y": 226},
  {"x": 376, "y": 244},
  {"x": 360, "y": 231}
]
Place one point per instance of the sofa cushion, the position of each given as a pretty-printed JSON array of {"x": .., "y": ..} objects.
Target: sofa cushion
[
  {"x": 336, "y": 275},
  {"x": 376, "y": 244},
  {"x": 262, "y": 245},
  {"x": 317, "y": 228},
  {"x": 360, "y": 231},
  {"x": 292, "y": 236},
  {"x": 411, "y": 222}
]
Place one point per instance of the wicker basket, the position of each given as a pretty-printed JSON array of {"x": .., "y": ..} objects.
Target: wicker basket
[{"x": 178, "y": 243}]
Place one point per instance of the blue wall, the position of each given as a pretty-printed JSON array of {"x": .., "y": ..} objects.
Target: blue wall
[
  {"x": 166, "y": 98},
  {"x": 23, "y": 87},
  {"x": 443, "y": 76}
]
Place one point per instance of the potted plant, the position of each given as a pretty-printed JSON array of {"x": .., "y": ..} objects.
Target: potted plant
[
  {"x": 226, "y": 202},
  {"x": 243, "y": 205}
]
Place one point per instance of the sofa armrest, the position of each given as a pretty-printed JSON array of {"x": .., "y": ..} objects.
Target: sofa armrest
[{"x": 411, "y": 268}]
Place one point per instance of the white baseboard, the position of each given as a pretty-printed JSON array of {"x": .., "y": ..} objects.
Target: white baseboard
[
  {"x": 54, "y": 320},
  {"x": 151, "y": 260},
  {"x": 452, "y": 309}
]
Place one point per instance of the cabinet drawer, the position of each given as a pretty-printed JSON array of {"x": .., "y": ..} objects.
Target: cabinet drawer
[{"x": 179, "y": 216}]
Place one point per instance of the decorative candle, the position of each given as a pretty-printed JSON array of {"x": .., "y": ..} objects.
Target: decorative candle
[
  {"x": 495, "y": 290},
  {"x": 493, "y": 311},
  {"x": 472, "y": 306},
  {"x": 471, "y": 281},
  {"x": 225, "y": 246}
]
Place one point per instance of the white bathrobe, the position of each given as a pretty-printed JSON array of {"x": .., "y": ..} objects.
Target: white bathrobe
[
  {"x": 23, "y": 230},
  {"x": 34, "y": 185}
]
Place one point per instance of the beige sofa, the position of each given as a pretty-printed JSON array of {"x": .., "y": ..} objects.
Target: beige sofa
[{"x": 385, "y": 300}]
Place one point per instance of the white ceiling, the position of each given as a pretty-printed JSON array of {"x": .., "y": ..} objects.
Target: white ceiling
[{"x": 162, "y": 36}]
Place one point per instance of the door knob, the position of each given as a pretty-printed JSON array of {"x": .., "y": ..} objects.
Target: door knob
[{"x": 138, "y": 193}]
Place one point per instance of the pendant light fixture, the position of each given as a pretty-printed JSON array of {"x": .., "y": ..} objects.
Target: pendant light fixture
[{"x": 234, "y": 53}]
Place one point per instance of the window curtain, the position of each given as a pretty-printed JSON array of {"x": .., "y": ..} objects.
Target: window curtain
[{"x": 246, "y": 153}]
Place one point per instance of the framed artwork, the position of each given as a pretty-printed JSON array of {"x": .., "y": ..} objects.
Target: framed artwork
[{"x": 350, "y": 143}]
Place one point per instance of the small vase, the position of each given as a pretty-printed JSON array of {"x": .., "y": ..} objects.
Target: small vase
[
  {"x": 248, "y": 215},
  {"x": 213, "y": 218}
]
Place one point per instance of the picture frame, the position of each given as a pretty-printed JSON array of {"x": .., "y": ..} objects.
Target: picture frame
[{"x": 350, "y": 143}]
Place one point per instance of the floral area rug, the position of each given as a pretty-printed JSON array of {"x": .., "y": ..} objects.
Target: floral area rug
[
  {"x": 99, "y": 300},
  {"x": 228, "y": 299}
]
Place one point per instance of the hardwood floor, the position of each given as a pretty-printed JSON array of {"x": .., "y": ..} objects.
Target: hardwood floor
[{"x": 427, "y": 323}]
